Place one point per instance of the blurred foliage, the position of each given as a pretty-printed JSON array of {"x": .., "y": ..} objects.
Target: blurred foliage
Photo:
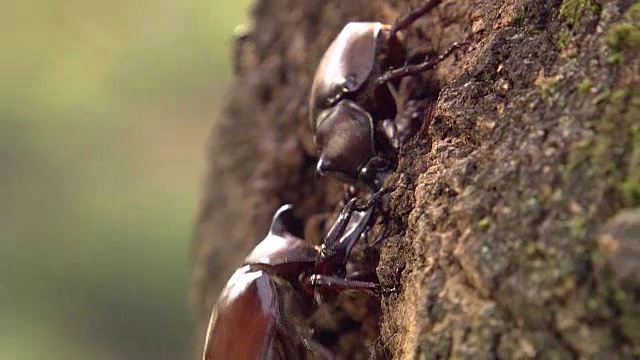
[{"x": 104, "y": 112}]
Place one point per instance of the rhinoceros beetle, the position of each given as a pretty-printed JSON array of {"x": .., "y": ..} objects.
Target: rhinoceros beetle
[
  {"x": 262, "y": 311},
  {"x": 354, "y": 90}
]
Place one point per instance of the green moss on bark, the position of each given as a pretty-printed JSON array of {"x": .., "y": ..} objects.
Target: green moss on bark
[{"x": 572, "y": 10}]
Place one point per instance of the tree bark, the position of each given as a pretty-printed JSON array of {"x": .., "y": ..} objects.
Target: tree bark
[{"x": 514, "y": 213}]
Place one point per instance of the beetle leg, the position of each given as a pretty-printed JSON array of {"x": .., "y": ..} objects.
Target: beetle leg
[
  {"x": 364, "y": 275},
  {"x": 372, "y": 288},
  {"x": 409, "y": 18},
  {"x": 389, "y": 126},
  {"x": 365, "y": 233},
  {"x": 345, "y": 232},
  {"x": 371, "y": 203},
  {"x": 383, "y": 233},
  {"x": 384, "y": 222},
  {"x": 418, "y": 68},
  {"x": 407, "y": 112},
  {"x": 338, "y": 284},
  {"x": 331, "y": 241},
  {"x": 349, "y": 238},
  {"x": 391, "y": 132},
  {"x": 375, "y": 198}
]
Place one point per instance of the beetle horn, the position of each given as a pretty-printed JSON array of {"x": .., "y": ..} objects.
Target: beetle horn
[
  {"x": 323, "y": 165},
  {"x": 284, "y": 222}
]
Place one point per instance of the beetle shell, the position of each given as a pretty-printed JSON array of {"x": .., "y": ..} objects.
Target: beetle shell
[
  {"x": 345, "y": 66},
  {"x": 246, "y": 321},
  {"x": 345, "y": 140}
]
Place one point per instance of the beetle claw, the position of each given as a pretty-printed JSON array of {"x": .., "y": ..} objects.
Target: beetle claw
[{"x": 374, "y": 199}]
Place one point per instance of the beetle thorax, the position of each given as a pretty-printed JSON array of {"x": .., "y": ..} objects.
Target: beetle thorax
[{"x": 345, "y": 66}]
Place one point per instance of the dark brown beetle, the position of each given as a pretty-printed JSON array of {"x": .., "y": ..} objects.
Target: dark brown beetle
[
  {"x": 353, "y": 90},
  {"x": 262, "y": 311}
]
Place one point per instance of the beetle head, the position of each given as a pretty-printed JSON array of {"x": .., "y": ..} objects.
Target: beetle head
[
  {"x": 345, "y": 141},
  {"x": 374, "y": 172}
]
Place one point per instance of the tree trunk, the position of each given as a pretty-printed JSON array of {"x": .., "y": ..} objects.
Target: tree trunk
[{"x": 514, "y": 213}]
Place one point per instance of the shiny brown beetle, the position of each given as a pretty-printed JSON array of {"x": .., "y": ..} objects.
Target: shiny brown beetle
[
  {"x": 263, "y": 310},
  {"x": 353, "y": 91}
]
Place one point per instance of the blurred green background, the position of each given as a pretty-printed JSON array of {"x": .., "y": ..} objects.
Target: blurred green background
[{"x": 105, "y": 107}]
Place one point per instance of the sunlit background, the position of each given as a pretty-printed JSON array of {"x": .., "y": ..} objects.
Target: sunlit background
[{"x": 104, "y": 111}]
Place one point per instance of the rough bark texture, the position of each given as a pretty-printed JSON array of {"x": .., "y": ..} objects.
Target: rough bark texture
[{"x": 514, "y": 214}]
